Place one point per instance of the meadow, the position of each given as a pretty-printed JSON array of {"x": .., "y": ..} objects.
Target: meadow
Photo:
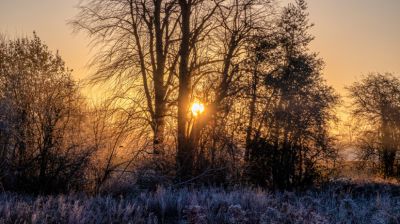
[{"x": 342, "y": 201}]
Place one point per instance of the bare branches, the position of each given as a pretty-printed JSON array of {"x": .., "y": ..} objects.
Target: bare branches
[
  {"x": 376, "y": 100},
  {"x": 137, "y": 38}
]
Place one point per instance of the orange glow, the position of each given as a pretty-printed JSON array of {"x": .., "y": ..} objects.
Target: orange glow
[{"x": 197, "y": 108}]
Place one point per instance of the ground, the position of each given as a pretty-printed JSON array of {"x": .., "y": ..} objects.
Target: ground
[{"x": 341, "y": 201}]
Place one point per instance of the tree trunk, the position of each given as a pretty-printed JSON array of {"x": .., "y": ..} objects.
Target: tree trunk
[
  {"x": 389, "y": 153},
  {"x": 252, "y": 109},
  {"x": 159, "y": 88},
  {"x": 185, "y": 152},
  {"x": 159, "y": 112}
]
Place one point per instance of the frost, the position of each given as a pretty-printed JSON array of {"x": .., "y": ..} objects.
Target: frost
[{"x": 334, "y": 204}]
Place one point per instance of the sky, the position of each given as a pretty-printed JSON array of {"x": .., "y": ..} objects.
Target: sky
[{"x": 354, "y": 37}]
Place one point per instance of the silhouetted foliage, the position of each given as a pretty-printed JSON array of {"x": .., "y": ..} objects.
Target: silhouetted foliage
[
  {"x": 139, "y": 55},
  {"x": 266, "y": 106},
  {"x": 292, "y": 140},
  {"x": 258, "y": 147},
  {"x": 41, "y": 147},
  {"x": 160, "y": 56},
  {"x": 376, "y": 103}
]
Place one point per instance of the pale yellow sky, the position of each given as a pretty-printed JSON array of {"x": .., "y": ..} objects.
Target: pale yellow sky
[{"x": 353, "y": 36}]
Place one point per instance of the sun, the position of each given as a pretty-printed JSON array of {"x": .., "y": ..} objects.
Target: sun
[{"x": 197, "y": 108}]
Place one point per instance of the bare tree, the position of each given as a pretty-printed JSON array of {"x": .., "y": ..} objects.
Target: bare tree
[
  {"x": 161, "y": 40},
  {"x": 376, "y": 100},
  {"x": 212, "y": 49},
  {"x": 138, "y": 40},
  {"x": 190, "y": 35}
]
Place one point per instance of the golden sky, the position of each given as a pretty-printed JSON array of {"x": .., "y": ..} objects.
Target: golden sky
[{"x": 353, "y": 36}]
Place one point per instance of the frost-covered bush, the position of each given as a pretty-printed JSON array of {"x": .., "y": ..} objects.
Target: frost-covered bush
[{"x": 335, "y": 203}]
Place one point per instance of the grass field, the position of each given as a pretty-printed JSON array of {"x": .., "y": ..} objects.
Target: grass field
[{"x": 342, "y": 201}]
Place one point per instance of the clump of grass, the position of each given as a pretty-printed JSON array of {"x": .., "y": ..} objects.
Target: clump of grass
[{"x": 336, "y": 203}]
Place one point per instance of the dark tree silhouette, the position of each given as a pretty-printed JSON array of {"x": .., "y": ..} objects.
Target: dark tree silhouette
[
  {"x": 163, "y": 55},
  {"x": 42, "y": 149},
  {"x": 376, "y": 100},
  {"x": 292, "y": 139},
  {"x": 211, "y": 53},
  {"x": 157, "y": 53},
  {"x": 139, "y": 54}
]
